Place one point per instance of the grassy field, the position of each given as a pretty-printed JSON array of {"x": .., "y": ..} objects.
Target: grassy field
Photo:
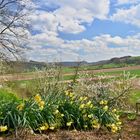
[
  {"x": 132, "y": 72},
  {"x": 24, "y": 87},
  {"x": 98, "y": 67}
]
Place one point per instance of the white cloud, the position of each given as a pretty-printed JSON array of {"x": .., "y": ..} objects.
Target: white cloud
[
  {"x": 70, "y": 16},
  {"x": 98, "y": 48},
  {"x": 121, "y": 2},
  {"x": 129, "y": 16}
]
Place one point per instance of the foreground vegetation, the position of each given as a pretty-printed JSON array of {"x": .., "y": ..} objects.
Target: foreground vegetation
[
  {"x": 53, "y": 105},
  {"x": 66, "y": 110}
]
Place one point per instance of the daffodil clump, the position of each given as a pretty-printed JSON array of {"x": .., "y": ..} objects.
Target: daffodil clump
[
  {"x": 83, "y": 113},
  {"x": 55, "y": 111}
]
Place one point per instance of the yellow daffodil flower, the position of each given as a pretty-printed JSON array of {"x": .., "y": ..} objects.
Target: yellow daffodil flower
[
  {"x": 114, "y": 110},
  {"x": 66, "y": 93},
  {"x": 37, "y": 98},
  {"x": 114, "y": 128},
  {"x": 88, "y": 103},
  {"x": 52, "y": 127},
  {"x": 91, "y": 106},
  {"x": 81, "y": 98},
  {"x": 44, "y": 127},
  {"x": 105, "y": 108},
  {"x": 97, "y": 126},
  {"x": 62, "y": 115},
  {"x": 71, "y": 94},
  {"x": 85, "y": 126},
  {"x": 103, "y": 102},
  {"x": 20, "y": 107},
  {"x": 95, "y": 121},
  {"x": 119, "y": 123},
  {"x": 56, "y": 111},
  {"x": 41, "y": 107},
  {"x": 90, "y": 116},
  {"x": 85, "y": 98},
  {"x": 3, "y": 128},
  {"x": 41, "y": 103},
  {"x": 82, "y": 106},
  {"x": 69, "y": 123}
]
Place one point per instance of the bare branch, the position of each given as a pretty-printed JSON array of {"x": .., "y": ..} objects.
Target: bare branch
[
  {"x": 13, "y": 26},
  {"x": 5, "y": 4}
]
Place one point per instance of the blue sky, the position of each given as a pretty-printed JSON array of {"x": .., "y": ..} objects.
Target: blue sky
[{"x": 90, "y": 30}]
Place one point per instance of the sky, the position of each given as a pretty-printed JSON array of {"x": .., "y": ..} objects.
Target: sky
[{"x": 85, "y": 30}]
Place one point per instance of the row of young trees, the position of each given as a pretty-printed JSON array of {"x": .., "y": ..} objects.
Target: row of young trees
[{"x": 13, "y": 27}]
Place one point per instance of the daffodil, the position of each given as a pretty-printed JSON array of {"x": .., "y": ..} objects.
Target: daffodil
[
  {"x": 119, "y": 123},
  {"x": 114, "y": 110},
  {"x": 90, "y": 116},
  {"x": 20, "y": 107},
  {"x": 88, "y": 103},
  {"x": 82, "y": 106},
  {"x": 85, "y": 98},
  {"x": 66, "y": 93},
  {"x": 56, "y": 111},
  {"x": 37, "y": 98},
  {"x": 45, "y": 126},
  {"x": 91, "y": 106},
  {"x": 69, "y": 123},
  {"x": 85, "y": 117},
  {"x": 101, "y": 102},
  {"x": 95, "y": 121},
  {"x": 52, "y": 127},
  {"x": 71, "y": 94},
  {"x": 117, "y": 117},
  {"x": 3, "y": 128},
  {"x": 81, "y": 98},
  {"x": 41, "y": 103},
  {"x": 105, "y": 102},
  {"x": 85, "y": 126},
  {"x": 97, "y": 125},
  {"x": 105, "y": 108},
  {"x": 114, "y": 128},
  {"x": 42, "y": 128},
  {"x": 41, "y": 107}
]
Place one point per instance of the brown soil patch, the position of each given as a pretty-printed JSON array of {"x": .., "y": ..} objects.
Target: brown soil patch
[{"x": 130, "y": 131}]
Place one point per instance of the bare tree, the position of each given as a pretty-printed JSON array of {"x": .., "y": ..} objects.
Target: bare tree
[{"x": 13, "y": 27}]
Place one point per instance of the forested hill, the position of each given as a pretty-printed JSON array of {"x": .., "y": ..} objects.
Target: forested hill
[{"x": 113, "y": 62}]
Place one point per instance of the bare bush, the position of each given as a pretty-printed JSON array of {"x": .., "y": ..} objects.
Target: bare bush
[{"x": 115, "y": 89}]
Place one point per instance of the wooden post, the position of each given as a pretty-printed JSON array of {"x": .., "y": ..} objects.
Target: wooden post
[{"x": 137, "y": 106}]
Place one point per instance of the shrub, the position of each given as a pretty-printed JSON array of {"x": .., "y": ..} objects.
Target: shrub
[{"x": 115, "y": 89}]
